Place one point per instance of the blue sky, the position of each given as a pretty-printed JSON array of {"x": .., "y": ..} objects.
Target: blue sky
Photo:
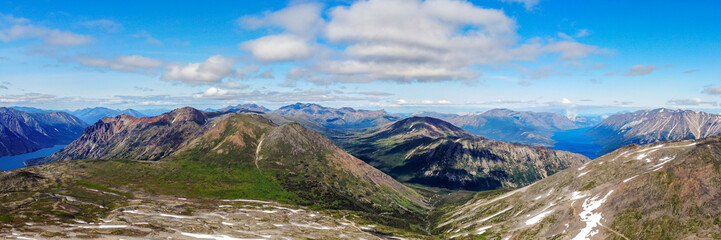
[{"x": 579, "y": 57}]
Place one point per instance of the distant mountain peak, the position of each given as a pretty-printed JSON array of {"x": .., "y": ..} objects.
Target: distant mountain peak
[
  {"x": 652, "y": 125},
  {"x": 336, "y": 117},
  {"x": 249, "y": 107},
  {"x": 432, "y": 127}
]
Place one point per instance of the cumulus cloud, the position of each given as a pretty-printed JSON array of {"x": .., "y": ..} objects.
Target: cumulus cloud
[
  {"x": 210, "y": 72},
  {"x": 712, "y": 90},
  {"x": 279, "y": 48},
  {"x": 402, "y": 40},
  {"x": 103, "y": 24},
  {"x": 134, "y": 63},
  {"x": 691, "y": 102},
  {"x": 300, "y": 23},
  {"x": 640, "y": 70},
  {"x": 528, "y": 4},
  {"x": 299, "y": 19}
]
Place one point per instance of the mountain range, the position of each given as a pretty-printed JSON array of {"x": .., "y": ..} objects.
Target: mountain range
[
  {"x": 336, "y": 118},
  {"x": 23, "y": 132},
  {"x": 249, "y": 107},
  {"x": 435, "y": 153},
  {"x": 294, "y": 157},
  {"x": 529, "y": 128},
  {"x": 648, "y": 126},
  {"x": 92, "y": 115},
  {"x": 224, "y": 175},
  {"x": 142, "y": 138}
]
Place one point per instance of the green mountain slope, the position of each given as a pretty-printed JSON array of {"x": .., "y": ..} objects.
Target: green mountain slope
[
  {"x": 435, "y": 153},
  {"x": 239, "y": 156}
]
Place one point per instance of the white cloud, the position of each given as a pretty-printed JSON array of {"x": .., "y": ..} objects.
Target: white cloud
[
  {"x": 640, "y": 70},
  {"x": 279, "y": 48},
  {"x": 712, "y": 90},
  {"x": 212, "y": 71},
  {"x": 691, "y": 102},
  {"x": 573, "y": 50},
  {"x": 443, "y": 41},
  {"x": 103, "y": 24},
  {"x": 50, "y": 36},
  {"x": 233, "y": 85},
  {"x": 312, "y": 95},
  {"x": 123, "y": 63},
  {"x": 528, "y": 4},
  {"x": 422, "y": 102},
  {"x": 28, "y": 98},
  {"x": 583, "y": 33},
  {"x": 565, "y": 101},
  {"x": 399, "y": 40},
  {"x": 299, "y": 19},
  {"x": 9, "y": 18}
]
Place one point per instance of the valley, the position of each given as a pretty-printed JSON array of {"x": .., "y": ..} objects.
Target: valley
[
  {"x": 245, "y": 176},
  {"x": 360, "y": 119}
]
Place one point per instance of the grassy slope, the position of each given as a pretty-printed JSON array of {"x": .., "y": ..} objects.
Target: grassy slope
[{"x": 214, "y": 167}]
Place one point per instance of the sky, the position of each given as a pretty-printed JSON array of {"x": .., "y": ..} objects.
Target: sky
[{"x": 576, "y": 57}]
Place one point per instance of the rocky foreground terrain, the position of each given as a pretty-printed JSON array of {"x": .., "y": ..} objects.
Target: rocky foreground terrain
[
  {"x": 666, "y": 190},
  {"x": 165, "y": 217}
]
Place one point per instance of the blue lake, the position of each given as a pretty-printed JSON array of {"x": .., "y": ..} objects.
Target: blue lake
[
  {"x": 15, "y": 162},
  {"x": 575, "y": 141}
]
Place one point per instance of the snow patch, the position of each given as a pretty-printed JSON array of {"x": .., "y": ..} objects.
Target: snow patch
[
  {"x": 159, "y": 214},
  {"x": 663, "y": 161},
  {"x": 482, "y": 229},
  {"x": 583, "y": 173},
  {"x": 629, "y": 179},
  {"x": 494, "y": 215},
  {"x": 592, "y": 219},
  {"x": 540, "y": 216},
  {"x": 215, "y": 237},
  {"x": 104, "y": 226}
]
